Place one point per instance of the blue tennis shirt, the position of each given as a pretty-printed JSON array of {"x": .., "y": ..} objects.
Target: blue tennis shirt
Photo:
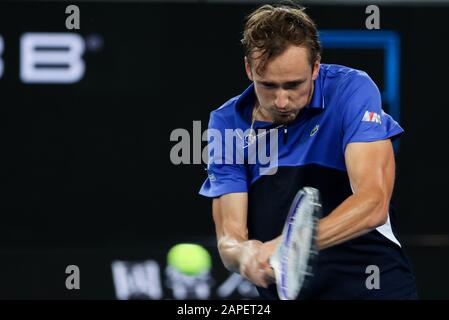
[{"x": 272, "y": 164}]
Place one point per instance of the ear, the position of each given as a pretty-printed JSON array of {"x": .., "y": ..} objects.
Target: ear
[
  {"x": 316, "y": 68},
  {"x": 249, "y": 73}
]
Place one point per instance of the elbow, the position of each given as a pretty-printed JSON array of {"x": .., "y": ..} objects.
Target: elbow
[{"x": 378, "y": 212}]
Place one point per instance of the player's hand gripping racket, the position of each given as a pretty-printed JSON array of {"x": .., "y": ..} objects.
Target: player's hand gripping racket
[{"x": 293, "y": 258}]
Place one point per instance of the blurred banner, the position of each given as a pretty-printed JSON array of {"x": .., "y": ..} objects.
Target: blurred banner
[{"x": 87, "y": 117}]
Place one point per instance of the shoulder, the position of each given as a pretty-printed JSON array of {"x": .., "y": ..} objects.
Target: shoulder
[
  {"x": 224, "y": 116},
  {"x": 346, "y": 78},
  {"x": 349, "y": 89},
  {"x": 226, "y": 109}
]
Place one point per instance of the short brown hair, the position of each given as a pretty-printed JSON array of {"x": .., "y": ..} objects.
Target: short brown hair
[{"x": 272, "y": 28}]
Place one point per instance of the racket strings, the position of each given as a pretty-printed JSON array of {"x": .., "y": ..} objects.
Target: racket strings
[{"x": 295, "y": 256}]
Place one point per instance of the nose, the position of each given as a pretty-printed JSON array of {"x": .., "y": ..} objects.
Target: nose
[{"x": 281, "y": 101}]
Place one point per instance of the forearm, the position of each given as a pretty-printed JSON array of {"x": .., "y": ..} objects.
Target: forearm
[
  {"x": 229, "y": 212},
  {"x": 357, "y": 215}
]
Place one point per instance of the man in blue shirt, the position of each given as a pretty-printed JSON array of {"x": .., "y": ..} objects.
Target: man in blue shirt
[{"x": 326, "y": 129}]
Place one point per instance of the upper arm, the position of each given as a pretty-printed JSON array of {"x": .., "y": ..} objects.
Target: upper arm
[
  {"x": 227, "y": 184},
  {"x": 367, "y": 133},
  {"x": 371, "y": 171},
  {"x": 230, "y": 216}
]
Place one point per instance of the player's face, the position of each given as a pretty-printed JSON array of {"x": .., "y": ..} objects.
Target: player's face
[{"x": 286, "y": 85}]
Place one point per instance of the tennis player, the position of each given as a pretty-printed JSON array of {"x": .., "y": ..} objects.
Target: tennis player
[{"x": 333, "y": 136}]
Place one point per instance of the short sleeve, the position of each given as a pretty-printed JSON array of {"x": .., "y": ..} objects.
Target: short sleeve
[
  {"x": 224, "y": 176},
  {"x": 363, "y": 117}
]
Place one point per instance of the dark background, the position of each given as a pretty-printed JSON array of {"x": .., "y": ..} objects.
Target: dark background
[{"x": 85, "y": 170}]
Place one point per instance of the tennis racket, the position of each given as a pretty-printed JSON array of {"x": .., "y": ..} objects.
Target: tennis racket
[{"x": 293, "y": 259}]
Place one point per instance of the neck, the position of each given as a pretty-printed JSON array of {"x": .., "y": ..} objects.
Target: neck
[{"x": 259, "y": 114}]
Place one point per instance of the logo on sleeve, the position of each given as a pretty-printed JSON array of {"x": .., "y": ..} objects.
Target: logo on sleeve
[{"x": 370, "y": 116}]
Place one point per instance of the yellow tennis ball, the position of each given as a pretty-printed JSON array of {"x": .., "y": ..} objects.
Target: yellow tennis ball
[{"x": 188, "y": 258}]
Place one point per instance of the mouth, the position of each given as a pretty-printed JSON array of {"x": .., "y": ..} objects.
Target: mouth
[{"x": 283, "y": 113}]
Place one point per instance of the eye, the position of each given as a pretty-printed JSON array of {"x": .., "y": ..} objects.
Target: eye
[
  {"x": 268, "y": 85},
  {"x": 292, "y": 85}
]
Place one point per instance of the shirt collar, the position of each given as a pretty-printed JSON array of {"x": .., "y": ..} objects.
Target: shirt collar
[{"x": 317, "y": 101}]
